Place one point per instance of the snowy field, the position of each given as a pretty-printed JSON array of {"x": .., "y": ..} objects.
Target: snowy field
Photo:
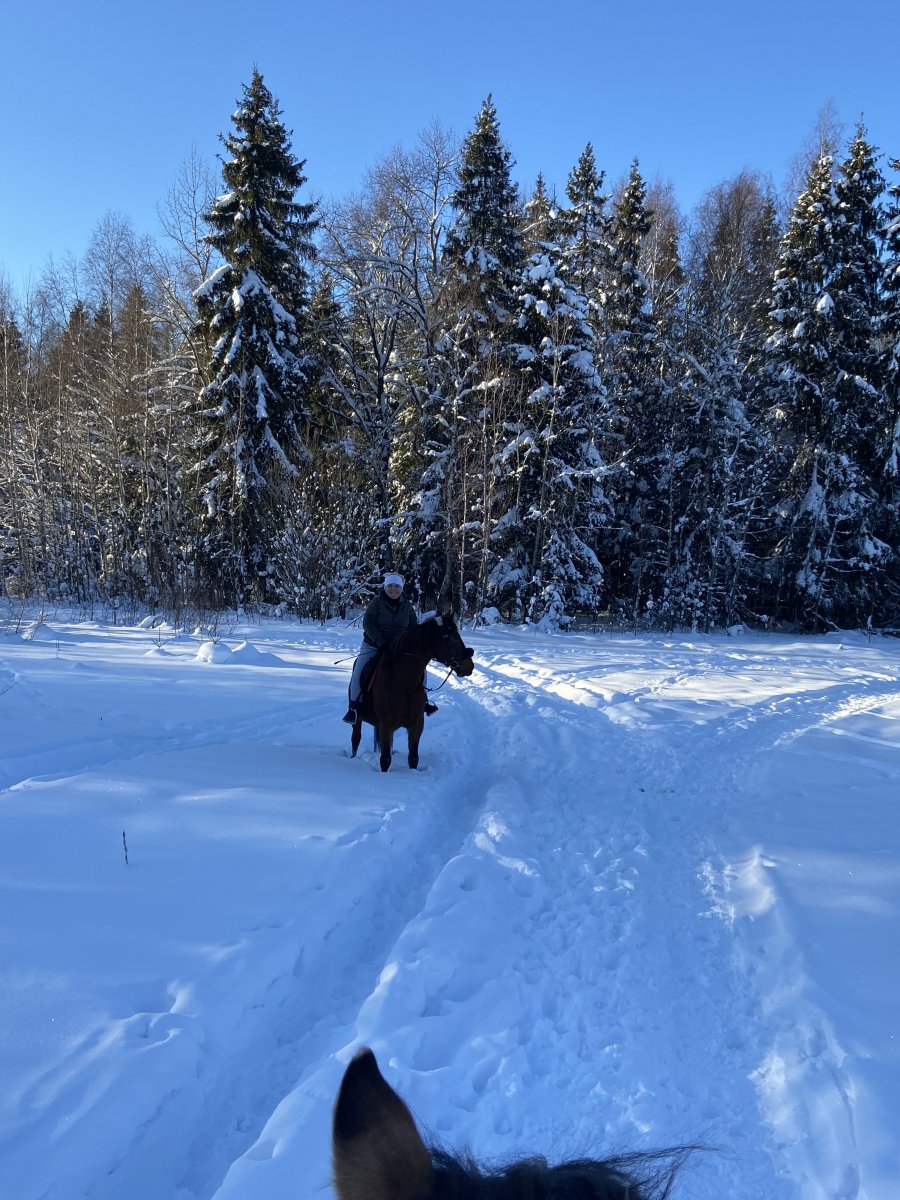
[{"x": 644, "y": 890}]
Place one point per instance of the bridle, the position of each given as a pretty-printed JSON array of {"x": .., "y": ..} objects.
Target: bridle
[{"x": 451, "y": 661}]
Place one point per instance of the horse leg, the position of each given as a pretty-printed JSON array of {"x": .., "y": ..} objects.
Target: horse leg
[
  {"x": 414, "y": 733},
  {"x": 385, "y": 742}
]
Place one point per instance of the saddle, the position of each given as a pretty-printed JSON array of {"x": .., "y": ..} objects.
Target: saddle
[
  {"x": 368, "y": 673},
  {"x": 368, "y": 676}
]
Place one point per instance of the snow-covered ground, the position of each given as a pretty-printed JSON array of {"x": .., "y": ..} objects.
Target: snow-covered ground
[{"x": 644, "y": 890}]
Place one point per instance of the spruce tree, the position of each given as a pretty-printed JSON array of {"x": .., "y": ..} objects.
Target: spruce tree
[
  {"x": 855, "y": 293},
  {"x": 721, "y": 495},
  {"x": 251, "y": 310},
  {"x": 888, "y": 477},
  {"x": 890, "y": 340},
  {"x": 482, "y": 257},
  {"x": 483, "y": 246},
  {"x": 828, "y": 417},
  {"x": 586, "y": 224},
  {"x": 550, "y": 496},
  {"x": 585, "y": 237},
  {"x": 633, "y": 366},
  {"x": 540, "y": 218}
]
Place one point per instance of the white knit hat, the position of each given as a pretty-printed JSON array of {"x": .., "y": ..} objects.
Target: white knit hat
[{"x": 392, "y": 578}]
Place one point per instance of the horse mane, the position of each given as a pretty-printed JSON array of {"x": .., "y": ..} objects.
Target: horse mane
[
  {"x": 379, "y": 1154},
  {"x": 647, "y": 1176},
  {"x": 411, "y": 639}
]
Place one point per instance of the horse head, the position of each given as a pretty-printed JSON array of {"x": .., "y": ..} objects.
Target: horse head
[
  {"x": 379, "y": 1154},
  {"x": 449, "y": 647}
]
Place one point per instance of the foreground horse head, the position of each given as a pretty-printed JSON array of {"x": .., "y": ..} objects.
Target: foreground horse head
[{"x": 378, "y": 1154}]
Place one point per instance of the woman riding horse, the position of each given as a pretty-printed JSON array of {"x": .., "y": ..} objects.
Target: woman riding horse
[
  {"x": 389, "y": 615},
  {"x": 396, "y": 698}
]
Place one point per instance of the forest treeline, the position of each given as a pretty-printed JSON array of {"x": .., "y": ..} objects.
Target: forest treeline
[{"x": 536, "y": 407}]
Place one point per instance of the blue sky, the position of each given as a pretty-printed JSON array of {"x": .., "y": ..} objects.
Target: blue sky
[{"x": 102, "y": 101}]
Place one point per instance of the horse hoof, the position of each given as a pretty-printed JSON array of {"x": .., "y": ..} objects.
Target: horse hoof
[
  {"x": 385, "y": 763},
  {"x": 414, "y": 764}
]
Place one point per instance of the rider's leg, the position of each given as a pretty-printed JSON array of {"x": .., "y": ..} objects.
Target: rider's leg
[{"x": 366, "y": 652}]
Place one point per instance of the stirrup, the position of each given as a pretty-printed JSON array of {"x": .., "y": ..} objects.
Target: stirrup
[
  {"x": 430, "y": 708},
  {"x": 350, "y": 715}
]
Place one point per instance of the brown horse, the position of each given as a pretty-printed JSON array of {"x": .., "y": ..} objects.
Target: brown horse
[
  {"x": 378, "y": 1154},
  {"x": 396, "y": 697}
]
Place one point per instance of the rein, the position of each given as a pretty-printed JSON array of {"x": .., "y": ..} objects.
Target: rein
[{"x": 443, "y": 681}]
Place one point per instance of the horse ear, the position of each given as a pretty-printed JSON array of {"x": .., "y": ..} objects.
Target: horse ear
[{"x": 377, "y": 1151}]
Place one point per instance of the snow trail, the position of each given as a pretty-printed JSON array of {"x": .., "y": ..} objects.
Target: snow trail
[{"x": 603, "y": 819}]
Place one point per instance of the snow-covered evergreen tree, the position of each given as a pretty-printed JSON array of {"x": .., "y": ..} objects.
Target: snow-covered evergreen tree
[
  {"x": 891, "y": 285},
  {"x": 828, "y": 415},
  {"x": 586, "y": 238},
  {"x": 890, "y": 332},
  {"x": 586, "y": 225},
  {"x": 888, "y": 479},
  {"x": 633, "y": 366},
  {"x": 481, "y": 261},
  {"x": 483, "y": 245},
  {"x": 251, "y": 313},
  {"x": 540, "y": 219},
  {"x": 550, "y": 498},
  {"x": 721, "y": 492}
]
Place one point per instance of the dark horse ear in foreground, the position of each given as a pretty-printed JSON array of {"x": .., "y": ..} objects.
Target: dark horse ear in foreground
[
  {"x": 396, "y": 699},
  {"x": 378, "y": 1154}
]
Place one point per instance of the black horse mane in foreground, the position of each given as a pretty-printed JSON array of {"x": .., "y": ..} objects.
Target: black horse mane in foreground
[{"x": 379, "y": 1155}]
